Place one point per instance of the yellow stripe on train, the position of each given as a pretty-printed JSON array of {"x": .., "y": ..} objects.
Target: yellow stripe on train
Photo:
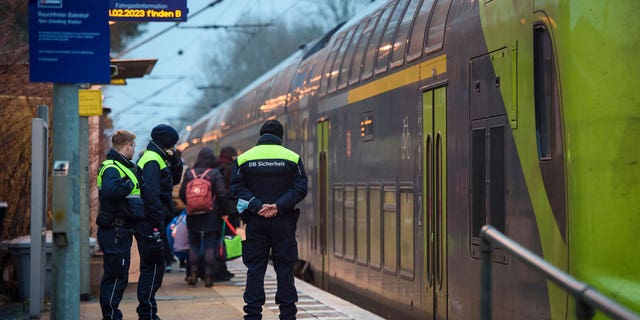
[{"x": 425, "y": 70}]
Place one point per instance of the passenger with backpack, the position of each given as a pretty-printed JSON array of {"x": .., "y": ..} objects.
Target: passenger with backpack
[{"x": 204, "y": 193}]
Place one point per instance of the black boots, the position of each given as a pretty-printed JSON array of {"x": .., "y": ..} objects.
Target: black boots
[
  {"x": 208, "y": 281},
  {"x": 192, "y": 279}
]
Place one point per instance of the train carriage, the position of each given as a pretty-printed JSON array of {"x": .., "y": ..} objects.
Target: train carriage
[{"x": 420, "y": 121}]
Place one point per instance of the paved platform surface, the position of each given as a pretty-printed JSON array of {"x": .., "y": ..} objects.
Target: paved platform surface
[{"x": 177, "y": 301}]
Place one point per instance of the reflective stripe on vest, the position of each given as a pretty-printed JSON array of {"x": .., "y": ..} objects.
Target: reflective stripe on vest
[
  {"x": 268, "y": 151},
  {"x": 151, "y": 156},
  {"x": 135, "y": 192}
]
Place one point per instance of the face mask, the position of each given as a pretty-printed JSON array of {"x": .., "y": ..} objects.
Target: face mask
[{"x": 242, "y": 205}]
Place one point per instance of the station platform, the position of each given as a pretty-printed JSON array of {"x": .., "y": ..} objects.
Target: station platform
[{"x": 224, "y": 301}]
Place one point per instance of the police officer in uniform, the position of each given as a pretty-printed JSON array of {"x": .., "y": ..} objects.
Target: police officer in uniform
[
  {"x": 120, "y": 206},
  {"x": 161, "y": 169},
  {"x": 268, "y": 181}
]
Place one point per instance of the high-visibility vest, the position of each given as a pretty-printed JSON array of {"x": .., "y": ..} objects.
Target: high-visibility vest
[
  {"x": 268, "y": 151},
  {"x": 151, "y": 156},
  {"x": 124, "y": 171}
]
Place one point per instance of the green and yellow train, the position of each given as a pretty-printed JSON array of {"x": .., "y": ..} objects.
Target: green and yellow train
[{"x": 420, "y": 121}]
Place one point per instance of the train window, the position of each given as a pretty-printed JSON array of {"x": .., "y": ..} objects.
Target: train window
[
  {"x": 301, "y": 86},
  {"x": 496, "y": 174},
  {"x": 387, "y": 41},
  {"x": 326, "y": 73},
  {"x": 333, "y": 80},
  {"x": 478, "y": 155},
  {"x": 356, "y": 66},
  {"x": 300, "y": 78},
  {"x": 276, "y": 97},
  {"x": 400, "y": 45},
  {"x": 390, "y": 224},
  {"x": 343, "y": 77},
  {"x": 419, "y": 30},
  {"x": 489, "y": 154},
  {"x": 437, "y": 26},
  {"x": 338, "y": 221},
  {"x": 349, "y": 223},
  {"x": 406, "y": 231},
  {"x": 372, "y": 48},
  {"x": 361, "y": 224},
  {"x": 265, "y": 88},
  {"x": 375, "y": 235},
  {"x": 548, "y": 111},
  {"x": 543, "y": 76}
]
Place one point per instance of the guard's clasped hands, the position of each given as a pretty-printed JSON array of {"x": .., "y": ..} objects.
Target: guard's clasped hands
[{"x": 268, "y": 210}]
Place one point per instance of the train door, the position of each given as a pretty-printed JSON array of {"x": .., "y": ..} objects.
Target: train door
[
  {"x": 435, "y": 200},
  {"x": 322, "y": 194}
]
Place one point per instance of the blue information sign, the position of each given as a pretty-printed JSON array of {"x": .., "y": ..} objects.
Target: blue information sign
[
  {"x": 69, "y": 41},
  {"x": 148, "y": 10}
]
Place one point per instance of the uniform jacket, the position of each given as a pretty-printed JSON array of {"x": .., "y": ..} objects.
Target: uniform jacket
[
  {"x": 115, "y": 199},
  {"x": 208, "y": 221},
  {"x": 157, "y": 183},
  {"x": 269, "y": 173}
]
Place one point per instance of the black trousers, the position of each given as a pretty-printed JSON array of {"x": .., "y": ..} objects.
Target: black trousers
[
  {"x": 275, "y": 235},
  {"x": 115, "y": 242},
  {"x": 152, "y": 265},
  {"x": 202, "y": 245}
]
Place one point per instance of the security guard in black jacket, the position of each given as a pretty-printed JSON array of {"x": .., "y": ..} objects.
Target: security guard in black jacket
[
  {"x": 161, "y": 169},
  {"x": 120, "y": 206},
  {"x": 268, "y": 181}
]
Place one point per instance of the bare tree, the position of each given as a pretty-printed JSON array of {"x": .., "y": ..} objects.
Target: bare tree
[
  {"x": 333, "y": 12},
  {"x": 123, "y": 32},
  {"x": 243, "y": 57},
  {"x": 19, "y": 99}
]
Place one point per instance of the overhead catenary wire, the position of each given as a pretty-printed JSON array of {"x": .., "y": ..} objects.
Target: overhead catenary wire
[
  {"x": 230, "y": 26},
  {"x": 161, "y": 32},
  {"x": 142, "y": 100}
]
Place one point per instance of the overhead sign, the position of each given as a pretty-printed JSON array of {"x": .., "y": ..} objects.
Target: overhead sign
[
  {"x": 148, "y": 10},
  {"x": 68, "y": 41},
  {"x": 89, "y": 103}
]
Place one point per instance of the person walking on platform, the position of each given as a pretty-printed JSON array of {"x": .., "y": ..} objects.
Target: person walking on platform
[
  {"x": 120, "y": 207},
  {"x": 269, "y": 180},
  {"x": 161, "y": 169},
  {"x": 205, "y": 210},
  {"x": 225, "y": 162}
]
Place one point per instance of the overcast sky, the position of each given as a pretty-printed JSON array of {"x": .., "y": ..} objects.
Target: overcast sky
[{"x": 172, "y": 85}]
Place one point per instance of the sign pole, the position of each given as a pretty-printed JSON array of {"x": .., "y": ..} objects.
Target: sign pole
[
  {"x": 66, "y": 215},
  {"x": 39, "y": 168},
  {"x": 84, "y": 208}
]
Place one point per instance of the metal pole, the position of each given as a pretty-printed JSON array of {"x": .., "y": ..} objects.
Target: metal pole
[
  {"x": 66, "y": 216},
  {"x": 39, "y": 157},
  {"x": 581, "y": 291},
  {"x": 486, "y": 283},
  {"x": 84, "y": 208}
]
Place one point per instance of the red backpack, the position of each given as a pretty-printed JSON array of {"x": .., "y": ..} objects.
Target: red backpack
[{"x": 200, "y": 197}]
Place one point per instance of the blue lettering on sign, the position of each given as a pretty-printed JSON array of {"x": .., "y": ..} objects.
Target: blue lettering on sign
[{"x": 69, "y": 41}]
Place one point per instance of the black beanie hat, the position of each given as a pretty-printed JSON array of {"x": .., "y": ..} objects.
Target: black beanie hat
[
  {"x": 273, "y": 127},
  {"x": 164, "y": 135}
]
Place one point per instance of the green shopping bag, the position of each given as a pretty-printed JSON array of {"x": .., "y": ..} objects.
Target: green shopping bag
[{"x": 229, "y": 247}]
